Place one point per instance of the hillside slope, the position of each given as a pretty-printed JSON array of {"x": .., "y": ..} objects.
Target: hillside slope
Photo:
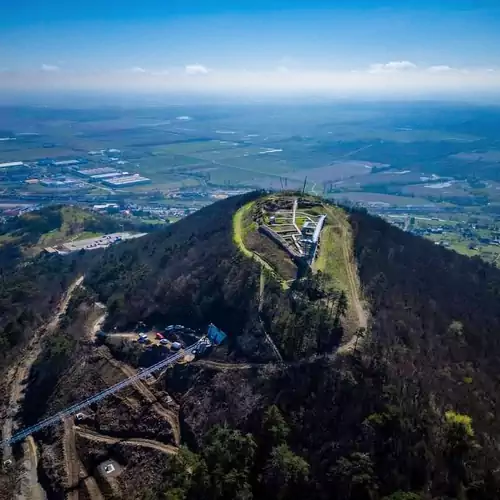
[
  {"x": 431, "y": 349},
  {"x": 409, "y": 411},
  {"x": 27, "y": 235},
  {"x": 189, "y": 273}
]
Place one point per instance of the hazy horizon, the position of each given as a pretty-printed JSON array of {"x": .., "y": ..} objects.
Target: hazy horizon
[{"x": 357, "y": 48}]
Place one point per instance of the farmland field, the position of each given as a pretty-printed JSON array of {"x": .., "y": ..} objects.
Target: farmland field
[{"x": 366, "y": 152}]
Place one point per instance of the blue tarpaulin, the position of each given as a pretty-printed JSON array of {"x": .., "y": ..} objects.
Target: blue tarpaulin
[{"x": 215, "y": 335}]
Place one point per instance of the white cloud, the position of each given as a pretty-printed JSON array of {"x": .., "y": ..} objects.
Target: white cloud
[
  {"x": 439, "y": 69},
  {"x": 392, "y": 67},
  {"x": 50, "y": 67},
  {"x": 196, "y": 69},
  {"x": 397, "y": 78},
  {"x": 139, "y": 70}
]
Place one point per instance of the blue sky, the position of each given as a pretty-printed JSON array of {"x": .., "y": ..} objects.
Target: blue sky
[{"x": 240, "y": 45}]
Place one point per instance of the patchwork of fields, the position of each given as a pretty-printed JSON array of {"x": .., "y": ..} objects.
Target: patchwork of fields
[{"x": 343, "y": 150}]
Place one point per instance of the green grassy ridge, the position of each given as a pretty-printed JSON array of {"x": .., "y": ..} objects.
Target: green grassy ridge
[{"x": 330, "y": 260}]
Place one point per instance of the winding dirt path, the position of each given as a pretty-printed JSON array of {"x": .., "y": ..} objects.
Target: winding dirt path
[
  {"x": 18, "y": 375},
  {"x": 146, "y": 443},
  {"x": 352, "y": 275},
  {"x": 18, "y": 378},
  {"x": 96, "y": 327},
  {"x": 170, "y": 416},
  {"x": 226, "y": 366},
  {"x": 354, "y": 293},
  {"x": 357, "y": 312}
]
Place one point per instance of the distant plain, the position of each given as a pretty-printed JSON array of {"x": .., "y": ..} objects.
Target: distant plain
[{"x": 395, "y": 149}]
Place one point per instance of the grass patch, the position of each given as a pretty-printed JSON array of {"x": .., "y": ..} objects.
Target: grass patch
[
  {"x": 239, "y": 228},
  {"x": 330, "y": 260},
  {"x": 300, "y": 221},
  {"x": 87, "y": 234},
  {"x": 7, "y": 238}
]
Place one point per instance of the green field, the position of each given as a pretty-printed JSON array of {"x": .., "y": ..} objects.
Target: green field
[
  {"x": 330, "y": 260},
  {"x": 190, "y": 148}
]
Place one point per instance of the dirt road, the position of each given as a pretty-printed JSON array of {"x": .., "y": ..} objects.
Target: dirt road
[
  {"x": 339, "y": 257},
  {"x": 170, "y": 416},
  {"x": 96, "y": 327},
  {"x": 146, "y": 443},
  {"x": 18, "y": 375},
  {"x": 226, "y": 366},
  {"x": 354, "y": 293},
  {"x": 28, "y": 486},
  {"x": 354, "y": 286},
  {"x": 71, "y": 461},
  {"x": 75, "y": 468}
]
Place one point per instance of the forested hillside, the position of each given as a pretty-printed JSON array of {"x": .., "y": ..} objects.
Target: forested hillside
[
  {"x": 189, "y": 273},
  {"x": 28, "y": 294},
  {"x": 31, "y": 283},
  {"x": 26, "y": 235},
  {"x": 413, "y": 410},
  {"x": 407, "y": 412}
]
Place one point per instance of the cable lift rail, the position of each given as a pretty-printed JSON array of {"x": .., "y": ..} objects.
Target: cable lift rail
[{"x": 97, "y": 397}]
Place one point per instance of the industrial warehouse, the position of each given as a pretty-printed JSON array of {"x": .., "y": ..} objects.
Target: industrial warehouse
[
  {"x": 63, "y": 173},
  {"x": 126, "y": 180},
  {"x": 112, "y": 177}
]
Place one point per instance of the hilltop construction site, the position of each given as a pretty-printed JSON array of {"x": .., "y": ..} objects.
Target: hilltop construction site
[{"x": 293, "y": 225}]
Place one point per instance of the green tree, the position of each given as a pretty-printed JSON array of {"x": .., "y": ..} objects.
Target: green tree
[
  {"x": 274, "y": 428},
  {"x": 186, "y": 475},
  {"x": 354, "y": 476},
  {"x": 342, "y": 306},
  {"x": 459, "y": 436},
  {"x": 284, "y": 471},
  {"x": 229, "y": 456},
  {"x": 175, "y": 494}
]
